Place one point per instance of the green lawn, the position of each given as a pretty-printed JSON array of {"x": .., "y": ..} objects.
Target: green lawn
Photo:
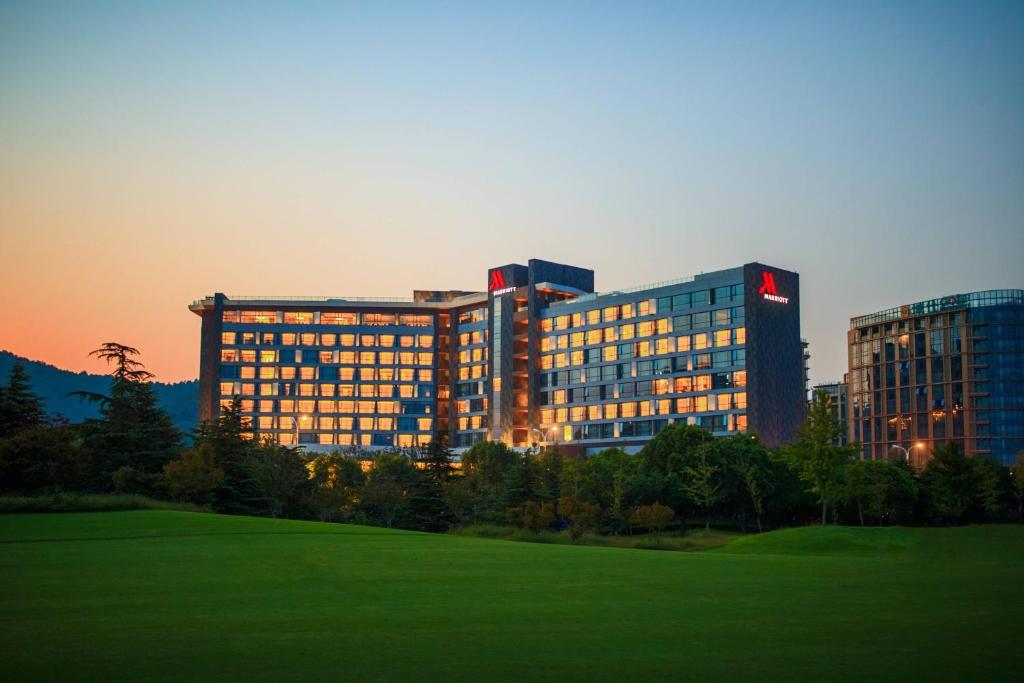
[{"x": 164, "y": 595}]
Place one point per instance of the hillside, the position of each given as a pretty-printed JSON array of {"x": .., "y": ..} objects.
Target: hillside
[
  {"x": 162, "y": 595},
  {"x": 53, "y": 385}
]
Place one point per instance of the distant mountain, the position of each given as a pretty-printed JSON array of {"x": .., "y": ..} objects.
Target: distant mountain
[{"x": 180, "y": 400}]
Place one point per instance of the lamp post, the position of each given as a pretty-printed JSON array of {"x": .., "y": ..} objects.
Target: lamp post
[{"x": 907, "y": 451}]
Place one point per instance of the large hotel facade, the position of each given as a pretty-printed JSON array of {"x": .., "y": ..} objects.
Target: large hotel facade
[
  {"x": 947, "y": 369},
  {"x": 538, "y": 358}
]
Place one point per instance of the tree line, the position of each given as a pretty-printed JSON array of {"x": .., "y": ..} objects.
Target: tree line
[{"x": 682, "y": 477}]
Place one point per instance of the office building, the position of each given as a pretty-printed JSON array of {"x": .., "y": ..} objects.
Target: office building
[{"x": 948, "y": 369}]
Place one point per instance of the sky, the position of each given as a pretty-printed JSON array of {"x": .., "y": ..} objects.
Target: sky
[{"x": 152, "y": 153}]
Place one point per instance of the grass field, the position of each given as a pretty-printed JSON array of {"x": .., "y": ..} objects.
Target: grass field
[{"x": 165, "y": 595}]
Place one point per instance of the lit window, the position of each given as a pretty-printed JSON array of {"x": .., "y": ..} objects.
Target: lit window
[{"x": 338, "y": 318}]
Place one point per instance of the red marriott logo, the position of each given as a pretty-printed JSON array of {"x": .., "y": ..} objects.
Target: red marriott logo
[
  {"x": 768, "y": 290},
  {"x": 497, "y": 281}
]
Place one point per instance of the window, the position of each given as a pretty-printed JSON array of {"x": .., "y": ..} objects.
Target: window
[
  {"x": 339, "y": 318},
  {"x": 264, "y": 317},
  {"x": 297, "y": 318}
]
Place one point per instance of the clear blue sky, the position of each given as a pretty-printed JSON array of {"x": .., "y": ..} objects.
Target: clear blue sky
[{"x": 151, "y": 153}]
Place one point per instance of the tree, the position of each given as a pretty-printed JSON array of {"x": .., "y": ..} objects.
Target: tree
[
  {"x": 484, "y": 485},
  {"x": 956, "y": 485},
  {"x": 336, "y": 482},
  {"x": 608, "y": 482},
  {"x": 282, "y": 478},
  {"x": 1017, "y": 481},
  {"x": 134, "y": 435},
  {"x": 702, "y": 480},
  {"x": 437, "y": 461},
  {"x": 42, "y": 459},
  {"x": 194, "y": 476},
  {"x": 387, "y": 491},
  {"x": 815, "y": 457},
  {"x": 652, "y": 517},
  {"x": 753, "y": 482},
  {"x": 580, "y": 515},
  {"x": 856, "y": 487},
  {"x": 20, "y": 408},
  {"x": 533, "y": 515},
  {"x": 230, "y": 438},
  {"x": 891, "y": 489},
  {"x": 671, "y": 441}
]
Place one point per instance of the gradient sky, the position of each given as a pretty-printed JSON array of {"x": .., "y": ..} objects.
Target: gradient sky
[{"x": 152, "y": 153}]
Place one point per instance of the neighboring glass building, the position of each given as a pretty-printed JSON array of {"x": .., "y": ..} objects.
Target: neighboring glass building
[
  {"x": 948, "y": 369},
  {"x": 537, "y": 359}
]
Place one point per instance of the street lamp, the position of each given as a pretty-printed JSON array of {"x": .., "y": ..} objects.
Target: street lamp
[{"x": 908, "y": 451}]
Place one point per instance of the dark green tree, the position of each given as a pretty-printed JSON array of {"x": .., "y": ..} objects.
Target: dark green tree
[
  {"x": 482, "y": 488},
  {"x": 20, "y": 408},
  {"x": 337, "y": 482},
  {"x": 957, "y": 487},
  {"x": 673, "y": 440},
  {"x": 44, "y": 459},
  {"x": 387, "y": 493},
  {"x": 194, "y": 476},
  {"x": 1017, "y": 482},
  {"x": 133, "y": 436},
  {"x": 282, "y": 480},
  {"x": 702, "y": 479},
  {"x": 816, "y": 458},
  {"x": 231, "y": 440}
]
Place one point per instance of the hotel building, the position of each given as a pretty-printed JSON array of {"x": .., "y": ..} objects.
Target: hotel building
[
  {"x": 538, "y": 358},
  {"x": 947, "y": 369}
]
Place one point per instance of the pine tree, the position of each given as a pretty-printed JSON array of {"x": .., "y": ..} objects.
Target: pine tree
[
  {"x": 234, "y": 450},
  {"x": 134, "y": 437},
  {"x": 20, "y": 408}
]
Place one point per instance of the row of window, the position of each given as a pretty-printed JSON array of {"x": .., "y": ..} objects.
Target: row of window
[
  {"x": 905, "y": 373},
  {"x": 330, "y": 407},
  {"x": 645, "y": 307},
  {"x": 376, "y": 439},
  {"x": 327, "y": 374},
  {"x": 345, "y": 339},
  {"x": 679, "y": 323},
  {"x": 658, "y": 387},
  {"x": 663, "y": 366},
  {"x": 718, "y": 380},
  {"x": 327, "y": 318},
  {"x": 345, "y": 424},
  {"x": 328, "y": 390},
  {"x": 606, "y": 335},
  {"x": 666, "y": 406},
  {"x": 731, "y": 422}
]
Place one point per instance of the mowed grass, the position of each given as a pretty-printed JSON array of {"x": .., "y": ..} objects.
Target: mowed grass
[{"x": 166, "y": 595}]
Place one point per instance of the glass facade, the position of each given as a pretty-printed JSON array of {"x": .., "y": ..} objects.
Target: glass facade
[
  {"x": 540, "y": 359},
  {"x": 620, "y": 367},
  {"x": 944, "y": 370}
]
